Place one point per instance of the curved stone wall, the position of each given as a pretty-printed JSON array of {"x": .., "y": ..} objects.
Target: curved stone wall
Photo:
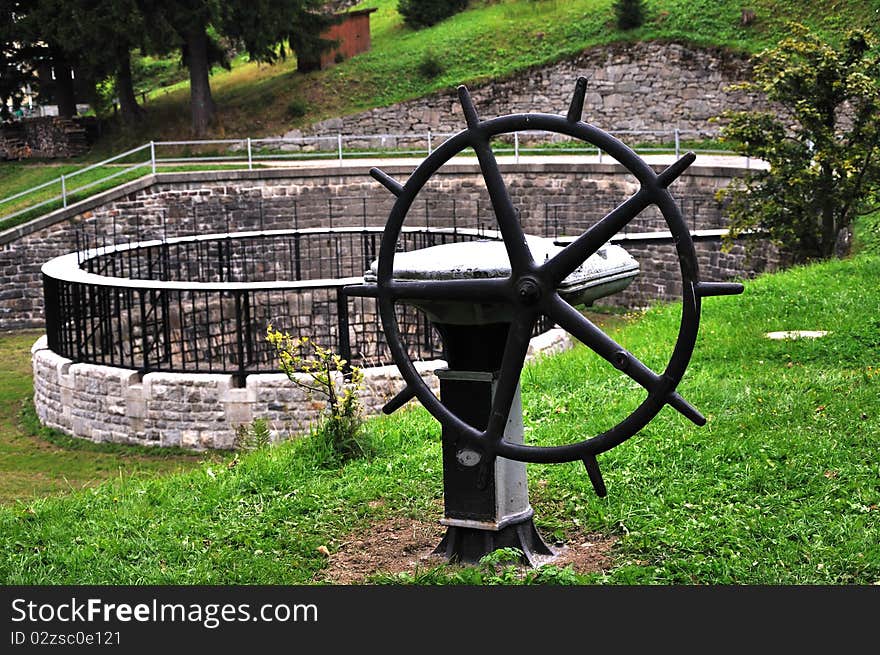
[{"x": 196, "y": 411}]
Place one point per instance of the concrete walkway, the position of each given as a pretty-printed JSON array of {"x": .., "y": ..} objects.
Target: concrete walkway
[{"x": 710, "y": 160}]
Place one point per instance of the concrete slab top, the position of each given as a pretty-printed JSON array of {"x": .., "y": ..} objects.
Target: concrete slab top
[
  {"x": 607, "y": 271},
  {"x": 488, "y": 259}
]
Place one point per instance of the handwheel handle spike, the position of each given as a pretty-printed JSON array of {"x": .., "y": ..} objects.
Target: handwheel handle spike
[
  {"x": 674, "y": 171},
  {"x": 387, "y": 181},
  {"x": 686, "y": 409},
  {"x": 595, "y": 475},
  {"x": 467, "y": 106},
  {"x": 401, "y": 399},
  {"x": 705, "y": 289},
  {"x": 361, "y": 290},
  {"x": 576, "y": 109}
]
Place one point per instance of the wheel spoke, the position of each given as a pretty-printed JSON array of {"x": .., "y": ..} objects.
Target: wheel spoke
[
  {"x": 473, "y": 290},
  {"x": 505, "y": 213},
  {"x": 575, "y": 253},
  {"x": 580, "y": 327},
  {"x": 515, "y": 350}
]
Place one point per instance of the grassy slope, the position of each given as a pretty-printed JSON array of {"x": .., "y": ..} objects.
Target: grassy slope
[
  {"x": 17, "y": 176},
  {"x": 490, "y": 40},
  {"x": 781, "y": 486},
  {"x": 35, "y": 462}
]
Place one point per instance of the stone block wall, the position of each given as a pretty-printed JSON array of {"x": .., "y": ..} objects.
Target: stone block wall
[
  {"x": 198, "y": 411},
  {"x": 660, "y": 273},
  {"x": 47, "y": 137},
  {"x": 631, "y": 86},
  {"x": 553, "y": 198}
]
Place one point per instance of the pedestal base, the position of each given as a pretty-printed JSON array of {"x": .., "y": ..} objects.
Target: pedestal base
[{"x": 468, "y": 545}]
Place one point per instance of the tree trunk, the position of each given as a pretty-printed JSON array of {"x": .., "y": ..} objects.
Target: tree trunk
[
  {"x": 128, "y": 106},
  {"x": 828, "y": 229},
  {"x": 65, "y": 96},
  {"x": 201, "y": 102}
]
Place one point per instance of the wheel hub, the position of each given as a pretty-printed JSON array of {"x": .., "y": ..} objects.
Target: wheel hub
[{"x": 528, "y": 291}]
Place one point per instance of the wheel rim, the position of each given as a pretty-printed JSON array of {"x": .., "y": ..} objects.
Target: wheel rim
[{"x": 652, "y": 191}]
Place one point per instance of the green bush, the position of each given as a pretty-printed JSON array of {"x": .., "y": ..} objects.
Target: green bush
[
  {"x": 629, "y": 14},
  {"x": 867, "y": 233},
  {"x": 297, "y": 108},
  {"x": 424, "y": 13},
  {"x": 430, "y": 66}
]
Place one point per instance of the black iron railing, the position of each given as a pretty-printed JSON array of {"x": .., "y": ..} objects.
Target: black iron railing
[{"x": 203, "y": 303}]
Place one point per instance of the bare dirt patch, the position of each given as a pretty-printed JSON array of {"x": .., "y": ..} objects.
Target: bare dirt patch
[{"x": 399, "y": 545}]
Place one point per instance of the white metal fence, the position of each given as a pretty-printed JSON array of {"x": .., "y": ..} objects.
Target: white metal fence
[{"x": 250, "y": 152}]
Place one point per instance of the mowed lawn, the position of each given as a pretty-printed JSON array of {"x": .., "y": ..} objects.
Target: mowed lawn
[
  {"x": 782, "y": 486},
  {"x": 35, "y": 462}
]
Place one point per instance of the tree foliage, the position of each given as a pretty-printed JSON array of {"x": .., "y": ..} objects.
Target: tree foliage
[
  {"x": 14, "y": 70},
  {"x": 96, "y": 38},
  {"x": 260, "y": 26},
  {"x": 821, "y": 140}
]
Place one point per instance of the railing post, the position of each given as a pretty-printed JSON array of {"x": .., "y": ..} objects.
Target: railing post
[
  {"x": 240, "y": 375},
  {"x": 51, "y": 302},
  {"x": 516, "y": 147},
  {"x": 429, "y": 143},
  {"x": 250, "y": 155},
  {"x": 63, "y": 191},
  {"x": 153, "y": 156},
  {"x": 677, "y": 144},
  {"x": 339, "y": 146}
]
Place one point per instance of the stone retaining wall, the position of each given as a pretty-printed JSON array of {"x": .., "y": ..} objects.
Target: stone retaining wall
[
  {"x": 46, "y": 137},
  {"x": 631, "y": 86},
  {"x": 197, "y": 411},
  {"x": 553, "y": 197}
]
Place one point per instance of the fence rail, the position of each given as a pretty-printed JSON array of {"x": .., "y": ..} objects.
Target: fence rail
[
  {"x": 202, "y": 303},
  {"x": 250, "y": 152}
]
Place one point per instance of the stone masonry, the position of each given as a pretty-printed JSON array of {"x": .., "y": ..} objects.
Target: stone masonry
[
  {"x": 554, "y": 199},
  {"x": 631, "y": 86},
  {"x": 197, "y": 411}
]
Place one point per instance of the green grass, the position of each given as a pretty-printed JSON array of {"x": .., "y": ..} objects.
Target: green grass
[
  {"x": 36, "y": 462},
  {"x": 490, "y": 40},
  {"x": 782, "y": 486}
]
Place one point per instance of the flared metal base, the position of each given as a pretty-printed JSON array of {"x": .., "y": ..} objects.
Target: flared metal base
[{"x": 469, "y": 545}]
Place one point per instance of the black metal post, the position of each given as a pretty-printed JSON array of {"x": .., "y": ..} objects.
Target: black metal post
[
  {"x": 486, "y": 504},
  {"x": 239, "y": 341},
  {"x": 50, "y": 312}
]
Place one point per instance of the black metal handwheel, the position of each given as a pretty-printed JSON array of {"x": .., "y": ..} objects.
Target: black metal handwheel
[{"x": 531, "y": 288}]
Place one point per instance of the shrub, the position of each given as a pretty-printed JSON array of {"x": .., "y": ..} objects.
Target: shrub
[
  {"x": 430, "y": 66},
  {"x": 629, "y": 14},
  {"x": 820, "y": 137},
  {"x": 297, "y": 108},
  {"x": 424, "y": 13},
  {"x": 326, "y": 377},
  {"x": 255, "y": 436}
]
